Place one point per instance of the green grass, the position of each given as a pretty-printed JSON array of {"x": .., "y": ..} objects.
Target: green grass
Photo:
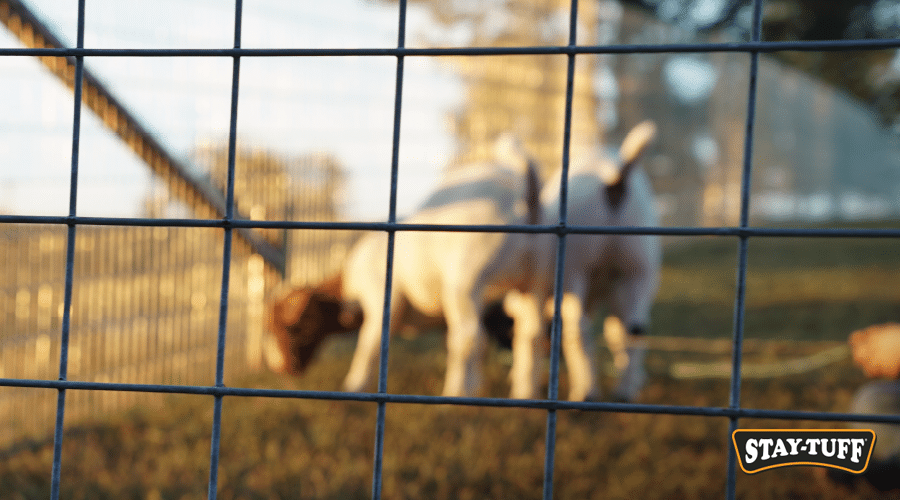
[{"x": 797, "y": 289}]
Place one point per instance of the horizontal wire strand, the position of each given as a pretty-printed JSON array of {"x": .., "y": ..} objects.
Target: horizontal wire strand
[
  {"x": 608, "y": 407},
  {"x": 759, "y": 47},
  {"x": 750, "y": 231}
]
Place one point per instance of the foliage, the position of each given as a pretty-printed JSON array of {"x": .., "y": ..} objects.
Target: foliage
[{"x": 870, "y": 76}]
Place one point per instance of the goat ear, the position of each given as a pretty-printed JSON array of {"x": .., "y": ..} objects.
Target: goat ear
[
  {"x": 289, "y": 310},
  {"x": 331, "y": 287},
  {"x": 637, "y": 141},
  {"x": 633, "y": 147}
]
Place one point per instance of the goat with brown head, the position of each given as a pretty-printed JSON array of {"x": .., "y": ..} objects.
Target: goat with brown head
[
  {"x": 443, "y": 276},
  {"x": 304, "y": 317},
  {"x": 301, "y": 319}
]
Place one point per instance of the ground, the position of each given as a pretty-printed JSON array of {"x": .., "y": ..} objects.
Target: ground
[{"x": 803, "y": 296}]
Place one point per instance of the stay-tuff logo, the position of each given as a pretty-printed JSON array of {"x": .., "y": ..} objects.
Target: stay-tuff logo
[{"x": 847, "y": 449}]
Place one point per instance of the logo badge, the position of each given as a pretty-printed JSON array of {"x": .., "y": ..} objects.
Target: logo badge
[{"x": 847, "y": 449}]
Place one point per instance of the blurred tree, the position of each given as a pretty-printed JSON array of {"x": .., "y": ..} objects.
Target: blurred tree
[
  {"x": 267, "y": 186},
  {"x": 524, "y": 94},
  {"x": 871, "y": 76},
  {"x": 272, "y": 186}
]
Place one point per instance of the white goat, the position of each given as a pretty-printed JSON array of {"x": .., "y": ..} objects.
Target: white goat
[
  {"x": 453, "y": 275},
  {"x": 622, "y": 270}
]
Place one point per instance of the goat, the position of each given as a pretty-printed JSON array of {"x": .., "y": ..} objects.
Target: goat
[
  {"x": 300, "y": 319},
  {"x": 454, "y": 276},
  {"x": 622, "y": 270}
]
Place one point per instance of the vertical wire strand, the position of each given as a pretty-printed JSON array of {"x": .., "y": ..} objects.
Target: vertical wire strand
[
  {"x": 215, "y": 441},
  {"x": 78, "y": 89},
  {"x": 743, "y": 246},
  {"x": 377, "y": 468},
  {"x": 556, "y": 329}
]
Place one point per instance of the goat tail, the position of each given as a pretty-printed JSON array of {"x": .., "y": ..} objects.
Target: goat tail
[{"x": 509, "y": 150}]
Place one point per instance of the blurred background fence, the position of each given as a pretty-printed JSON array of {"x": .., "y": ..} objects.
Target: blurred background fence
[
  {"x": 146, "y": 299},
  {"x": 144, "y": 310}
]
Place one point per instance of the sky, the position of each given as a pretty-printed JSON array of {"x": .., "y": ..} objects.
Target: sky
[{"x": 292, "y": 106}]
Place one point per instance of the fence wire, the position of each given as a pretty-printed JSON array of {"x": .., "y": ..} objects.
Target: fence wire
[{"x": 230, "y": 224}]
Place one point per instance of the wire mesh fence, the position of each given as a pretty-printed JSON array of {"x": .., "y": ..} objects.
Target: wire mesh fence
[{"x": 212, "y": 269}]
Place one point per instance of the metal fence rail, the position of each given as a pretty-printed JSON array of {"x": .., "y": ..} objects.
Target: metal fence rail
[{"x": 229, "y": 224}]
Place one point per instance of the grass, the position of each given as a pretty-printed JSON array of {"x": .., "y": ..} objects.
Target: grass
[{"x": 797, "y": 290}]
